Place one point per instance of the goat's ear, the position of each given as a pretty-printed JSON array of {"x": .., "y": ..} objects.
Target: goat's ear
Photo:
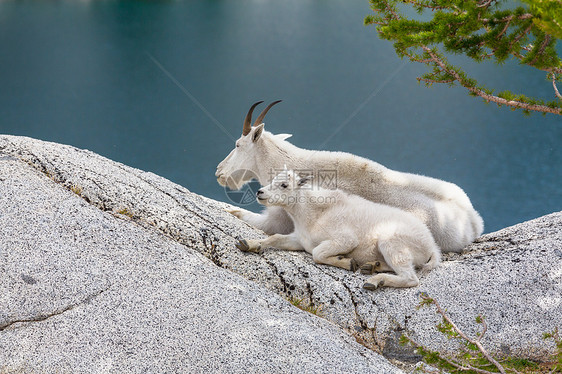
[
  {"x": 257, "y": 132},
  {"x": 284, "y": 136}
]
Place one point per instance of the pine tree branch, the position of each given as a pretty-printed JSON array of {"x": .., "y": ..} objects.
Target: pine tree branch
[
  {"x": 520, "y": 36},
  {"x": 556, "y": 92},
  {"x": 522, "y": 17},
  {"x": 476, "y": 342},
  {"x": 517, "y": 39},
  {"x": 503, "y": 31},
  {"x": 466, "y": 367},
  {"x": 516, "y": 54},
  {"x": 427, "y": 80},
  {"x": 547, "y": 69},
  {"x": 488, "y": 97},
  {"x": 484, "y": 329},
  {"x": 421, "y": 5},
  {"x": 461, "y": 367},
  {"x": 541, "y": 50},
  {"x": 484, "y": 4}
]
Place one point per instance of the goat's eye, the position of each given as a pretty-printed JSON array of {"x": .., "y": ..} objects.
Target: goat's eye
[{"x": 284, "y": 185}]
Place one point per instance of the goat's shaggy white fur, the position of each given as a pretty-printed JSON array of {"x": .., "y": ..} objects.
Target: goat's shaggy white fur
[
  {"x": 442, "y": 206},
  {"x": 348, "y": 231}
]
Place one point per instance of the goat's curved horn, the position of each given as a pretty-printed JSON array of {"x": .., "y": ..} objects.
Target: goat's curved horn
[
  {"x": 260, "y": 118},
  {"x": 248, "y": 121}
]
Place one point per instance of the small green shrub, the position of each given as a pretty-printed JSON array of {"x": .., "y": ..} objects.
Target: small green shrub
[
  {"x": 76, "y": 189},
  {"x": 473, "y": 358},
  {"x": 554, "y": 336},
  {"x": 125, "y": 212},
  {"x": 307, "y": 307}
]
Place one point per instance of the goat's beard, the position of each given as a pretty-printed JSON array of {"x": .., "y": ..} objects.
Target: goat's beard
[
  {"x": 233, "y": 183},
  {"x": 230, "y": 183},
  {"x": 237, "y": 179},
  {"x": 227, "y": 182}
]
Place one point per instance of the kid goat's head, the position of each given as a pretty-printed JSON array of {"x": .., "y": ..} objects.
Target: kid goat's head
[
  {"x": 242, "y": 163},
  {"x": 283, "y": 190}
]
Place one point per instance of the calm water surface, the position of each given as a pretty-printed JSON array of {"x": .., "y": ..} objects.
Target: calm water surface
[{"x": 164, "y": 86}]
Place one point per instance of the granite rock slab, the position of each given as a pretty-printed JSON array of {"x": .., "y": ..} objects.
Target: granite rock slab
[
  {"x": 512, "y": 277},
  {"x": 83, "y": 290}
]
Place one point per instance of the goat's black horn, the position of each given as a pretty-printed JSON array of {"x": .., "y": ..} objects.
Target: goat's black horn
[
  {"x": 260, "y": 118},
  {"x": 248, "y": 121}
]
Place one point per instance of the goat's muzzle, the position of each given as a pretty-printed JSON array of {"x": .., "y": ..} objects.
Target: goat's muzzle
[{"x": 259, "y": 195}]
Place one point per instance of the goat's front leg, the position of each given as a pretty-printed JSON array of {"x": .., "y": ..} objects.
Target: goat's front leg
[
  {"x": 332, "y": 252},
  {"x": 272, "y": 220},
  {"x": 285, "y": 242}
]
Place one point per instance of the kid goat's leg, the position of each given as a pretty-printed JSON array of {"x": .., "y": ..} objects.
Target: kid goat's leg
[
  {"x": 286, "y": 242},
  {"x": 273, "y": 220},
  {"x": 404, "y": 279},
  {"x": 399, "y": 258},
  {"x": 375, "y": 267},
  {"x": 331, "y": 252}
]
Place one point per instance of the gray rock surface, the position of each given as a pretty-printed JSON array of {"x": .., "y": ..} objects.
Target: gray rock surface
[
  {"x": 512, "y": 277},
  {"x": 88, "y": 291}
]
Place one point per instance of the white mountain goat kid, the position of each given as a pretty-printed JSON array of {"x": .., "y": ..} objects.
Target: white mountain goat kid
[
  {"x": 442, "y": 206},
  {"x": 347, "y": 231}
]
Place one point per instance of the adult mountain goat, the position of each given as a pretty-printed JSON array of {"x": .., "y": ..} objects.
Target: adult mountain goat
[
  {"x": 348, "y": 231},
  {"x": 442, "y": 206}
]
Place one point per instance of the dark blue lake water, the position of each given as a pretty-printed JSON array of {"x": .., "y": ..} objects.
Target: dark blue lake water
[{"x": 164, "y": 86}]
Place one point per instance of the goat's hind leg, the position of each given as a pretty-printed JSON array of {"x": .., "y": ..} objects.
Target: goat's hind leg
[
  {"x": 374, "y": 267},
  {"x": 399, "y": 258},
  {"x": 332, "y": 252},
  {"x": 404, "y": 279}
]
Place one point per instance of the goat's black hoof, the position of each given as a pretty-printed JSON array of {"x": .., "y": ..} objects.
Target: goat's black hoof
[
  {"x": 366, "y": 269},
  {"x": 369, "y": 286},
  {"x": 242, "y": 245}
]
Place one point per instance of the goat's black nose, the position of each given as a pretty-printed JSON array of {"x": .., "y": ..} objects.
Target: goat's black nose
[{"x": 260, "y": 192}]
